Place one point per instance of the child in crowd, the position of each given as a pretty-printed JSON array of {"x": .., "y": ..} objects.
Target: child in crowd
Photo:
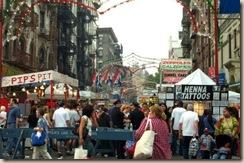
[{"x": 206, "y": 141}]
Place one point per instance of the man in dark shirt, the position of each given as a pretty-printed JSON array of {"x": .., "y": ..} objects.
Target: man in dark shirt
[
  {"x": 117, "y": 117},
  {"x": 136, "y": 116},
  {"x": 12, "y": 122}
]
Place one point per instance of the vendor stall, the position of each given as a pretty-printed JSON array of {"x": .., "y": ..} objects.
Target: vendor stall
[
  {"x": 203, "y": 91},
  {"x": 40, "y": 80}
]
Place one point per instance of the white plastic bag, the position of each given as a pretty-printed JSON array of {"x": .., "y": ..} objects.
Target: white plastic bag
[
  {"x": 80, "y": 153},
  {"x": 144, "y": 146}
]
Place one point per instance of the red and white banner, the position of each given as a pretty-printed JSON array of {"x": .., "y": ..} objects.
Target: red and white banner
[
  {"x": 172, "y": 77},
  {"x": 38, "y": 77},
  {"x": 116, "y": 75},
  {"x": 94, "y": 77},
  {"x": 105, "y": 75}
]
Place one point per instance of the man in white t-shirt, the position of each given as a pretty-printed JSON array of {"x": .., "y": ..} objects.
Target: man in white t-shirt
[
  {"x": 61, "y": 119},
  {"x": 175, "y": 118},
  {"x": 188, "y": 128}
]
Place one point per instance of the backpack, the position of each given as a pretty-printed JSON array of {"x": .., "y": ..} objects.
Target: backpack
[{"x": 193, "y": 147}]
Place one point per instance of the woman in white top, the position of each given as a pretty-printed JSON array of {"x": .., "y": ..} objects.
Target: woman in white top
[{"x": 88, "y": 120}]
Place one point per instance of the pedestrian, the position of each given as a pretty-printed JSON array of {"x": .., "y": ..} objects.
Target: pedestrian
[
  {"x": 32, "y": 119},
  {"x": 13, "y": 120},
  {"x": 188, "y": 128},
  {"x": 145, "y": 109},
  {"x": 88, "y": 121},
  {"x": 166, "y": 114},
  {"x": 3, "y": 117},
  {"x": 42, "y": 126},
  {"x": 175, "y": 118},
  {"x": 117, "y": 117},
  {"x": 60, "y": 119},
  {"x": 74, "y": 119},
  {"x": 206, "y": 141},
  {"x": 161, "y": 146},
  {"x": 209, "y": 123},
  {"x": 136, "y": 116},
  {"x": 228, "y": 125}
]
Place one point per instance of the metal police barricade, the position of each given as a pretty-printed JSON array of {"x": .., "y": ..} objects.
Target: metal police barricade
[{"x": 110, "y": 134}]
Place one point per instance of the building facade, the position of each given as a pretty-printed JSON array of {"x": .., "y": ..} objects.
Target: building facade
[
  {"x": 54, "y": 37},
  {"x": 108, "y": 51},
  {"x": 229, "y": 50}
]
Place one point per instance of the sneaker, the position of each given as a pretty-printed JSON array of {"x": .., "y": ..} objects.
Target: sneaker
[
  {"x": 68, "y": 152},
  {"x": 60, "y": 157},
  {"x": 5, "y": 154}
]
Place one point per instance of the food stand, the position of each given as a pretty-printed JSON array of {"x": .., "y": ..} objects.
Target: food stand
[{"x": 42, "y": 78}]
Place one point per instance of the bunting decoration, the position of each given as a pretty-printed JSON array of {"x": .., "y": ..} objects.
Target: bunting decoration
[
  {"x": 24, "y": 16},
  {"x": 94, "y": 77}
]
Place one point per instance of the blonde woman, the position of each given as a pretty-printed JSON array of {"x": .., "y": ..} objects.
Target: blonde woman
[
  {"x": 41, "y": 151},
  {"x": 161, "y": 147}
]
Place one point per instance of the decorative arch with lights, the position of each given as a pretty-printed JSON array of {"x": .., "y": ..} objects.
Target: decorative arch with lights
[{"x": 23, "y": 15}]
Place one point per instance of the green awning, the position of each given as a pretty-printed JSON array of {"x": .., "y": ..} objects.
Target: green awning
[{"x": 11, "y": 70}]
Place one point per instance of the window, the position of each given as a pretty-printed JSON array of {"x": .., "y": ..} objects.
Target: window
[
  {"x": 42, "y": 19},
  {"x": 229, "y": 40}
]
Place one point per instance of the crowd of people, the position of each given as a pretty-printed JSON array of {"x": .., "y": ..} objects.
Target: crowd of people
[{"x": 175, "y": 128}]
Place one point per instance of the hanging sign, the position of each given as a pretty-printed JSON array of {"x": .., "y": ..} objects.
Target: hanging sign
[
  {"x": 194, "y": 92},
  {"x": 38, "y": 77}
]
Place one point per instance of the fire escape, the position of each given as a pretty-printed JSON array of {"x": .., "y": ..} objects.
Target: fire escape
[{"x": 67, "y": 44}]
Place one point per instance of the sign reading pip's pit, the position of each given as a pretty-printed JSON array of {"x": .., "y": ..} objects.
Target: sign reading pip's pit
[{"x": 194, "y": 92}]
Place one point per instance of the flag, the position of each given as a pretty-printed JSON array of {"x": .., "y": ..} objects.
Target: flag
[
  {"x": 94, "y": 77},
  {"x": 105, "y": 75},
  {"x": 116, "y": 75},
  {"x": 229, "y": 6}
]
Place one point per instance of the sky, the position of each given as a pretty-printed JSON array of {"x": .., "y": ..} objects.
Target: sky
[{"x": 143, "y": 27}]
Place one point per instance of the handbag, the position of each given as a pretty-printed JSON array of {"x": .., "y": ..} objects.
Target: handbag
[
  {"x": 38, "y": 138},
  {"x": 80, "y": 153},
  {"x": 144, "y": 146}
]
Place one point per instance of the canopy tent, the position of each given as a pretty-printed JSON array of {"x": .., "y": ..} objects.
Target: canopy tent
[
  {"x": 196, "y": 78},
  {"x": 234, "y": 97}
]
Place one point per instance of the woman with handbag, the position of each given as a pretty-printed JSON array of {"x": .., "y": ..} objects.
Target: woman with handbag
[
  {"x": 161, "y": 147},
  {"x": 88, "y": 120},
  {"x": 40, "y": 150}
]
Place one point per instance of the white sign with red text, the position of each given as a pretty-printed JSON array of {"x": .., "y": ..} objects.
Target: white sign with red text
[{"x": 38, "y": 77}]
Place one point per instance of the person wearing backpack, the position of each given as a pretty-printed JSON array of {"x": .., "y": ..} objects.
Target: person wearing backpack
[
  {"x": 188, "y": 128},
  {"x": 40, "y": 151}
]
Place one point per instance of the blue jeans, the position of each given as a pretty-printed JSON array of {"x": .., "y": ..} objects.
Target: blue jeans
[
  {"x": 186, "y": 143},
  {"x": 89, "y": 146},
  {"x": 175, "y": 139},
  {"x": 12, "y": 142}
]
